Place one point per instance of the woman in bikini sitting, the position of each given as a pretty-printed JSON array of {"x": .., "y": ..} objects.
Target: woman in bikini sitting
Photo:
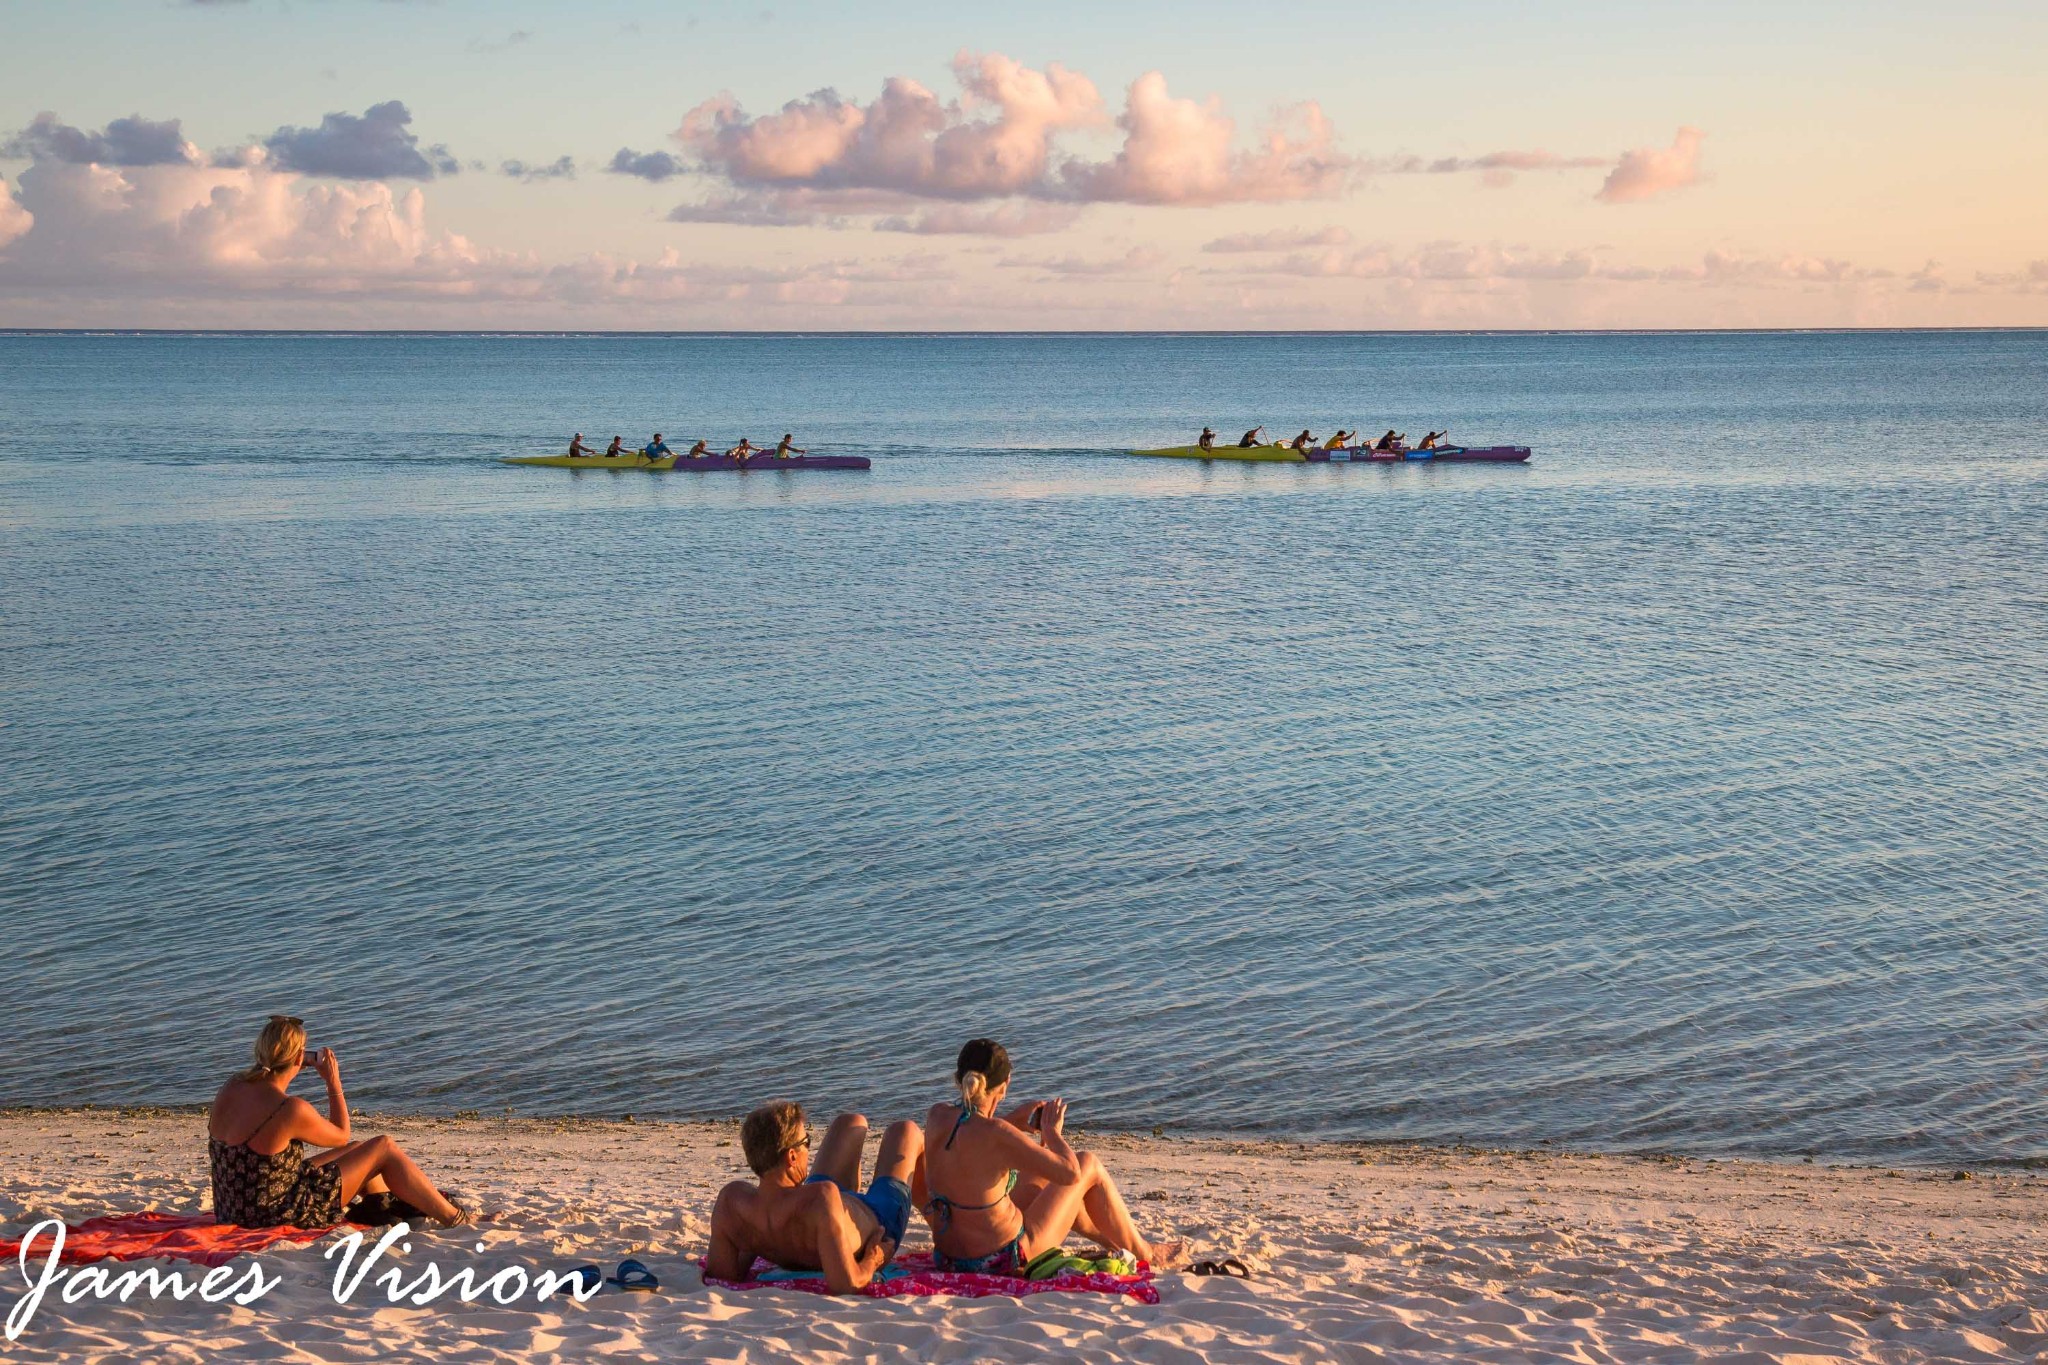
[
  {"x": 1004, "y": 1191},
  {"x": 257, "y": 1138}
]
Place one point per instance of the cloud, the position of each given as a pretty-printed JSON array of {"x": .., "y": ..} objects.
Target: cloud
[
  {"x": 789, "y": 208},
  {"x": 999, "y": 140},
  {"x": 2030, "y": 280},
  {"x": 1513, "y": 161},
  {"x": 378, "y": 145},
  {"x": 1650, "y": 171},
  {"x": 254, "y": 231},
  {"x": 1133, "y": 262},
  {"x": 654, "y": 166},
  {"x": 1178, "y": 151},
  {"x": 15, "y": 221},
  {"x": 505, "y": 44},
  {"x": 130, "y": 141},
  {"x": 906, "y": 139},
  {"x": 561, "y": 168},
  {"x": 1450, "y": 261},
  {"x": 1010, "y": 219},
  {"x": 1279, "y": 239}
]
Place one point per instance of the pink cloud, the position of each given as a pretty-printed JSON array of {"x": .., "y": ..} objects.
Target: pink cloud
[
  {"x": 1279, "y": 239},
  {"x": 2033, "y": 279},
  {"x": 1014, "y": 218},
  {"x": 1180, "y": 151},
  {"x": 999, "y": 140},
  {"x": 907, "y": 139},
  {"x": 253, "y": 231},
  {"x": 15, "y": 221},
  {"x": 1650, "y": 171},
  {"x": 1137, "y": 260}
]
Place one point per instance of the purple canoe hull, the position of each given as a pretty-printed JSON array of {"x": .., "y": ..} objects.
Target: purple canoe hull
[{"x": 1444, "y": 455}]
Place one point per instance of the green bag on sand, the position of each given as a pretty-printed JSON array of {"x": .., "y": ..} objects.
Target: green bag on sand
[{"x": 1048, "y": 1264}]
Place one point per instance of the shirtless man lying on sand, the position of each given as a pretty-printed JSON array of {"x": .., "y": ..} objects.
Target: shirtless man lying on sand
[{"x": 822, "y": 1221}]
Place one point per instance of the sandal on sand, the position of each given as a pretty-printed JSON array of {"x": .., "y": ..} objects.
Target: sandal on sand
[
  {"x": 635, "y": 1276},
  {"x": 1229, "y": 1265},
  {"x": 581, "y": 1280}
]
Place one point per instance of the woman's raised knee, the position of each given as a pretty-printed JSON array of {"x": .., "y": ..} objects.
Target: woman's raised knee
[{"x": 1091, "y": 1167}]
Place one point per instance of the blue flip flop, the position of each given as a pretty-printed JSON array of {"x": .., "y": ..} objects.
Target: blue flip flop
[
  {"x": 635, "y": 1276},
  {"x": 582, "y": 1279}
]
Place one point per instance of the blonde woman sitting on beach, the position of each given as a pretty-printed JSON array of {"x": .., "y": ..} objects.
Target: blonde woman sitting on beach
[
  {"x": 1003, "y": 1191},
  {"x": 258, "y": 1134}
]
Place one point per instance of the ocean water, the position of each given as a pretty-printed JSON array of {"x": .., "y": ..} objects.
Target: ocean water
[{"x": 1678, "y": 790}]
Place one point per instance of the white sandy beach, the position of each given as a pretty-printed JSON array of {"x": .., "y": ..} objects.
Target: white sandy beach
[{"x": 1362, "y": 1253}]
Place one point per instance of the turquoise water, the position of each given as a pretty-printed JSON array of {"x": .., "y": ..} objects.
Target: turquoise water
[{"x": 1677, "y": 790}]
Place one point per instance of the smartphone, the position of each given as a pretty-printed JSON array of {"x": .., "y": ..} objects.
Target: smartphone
[{"x": 1037, "y": 1119}]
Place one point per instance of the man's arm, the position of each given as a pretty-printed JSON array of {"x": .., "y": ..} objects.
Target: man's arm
[
  {"x": 848, "y": 1261},
  {"x": 730, "y": 1258}
]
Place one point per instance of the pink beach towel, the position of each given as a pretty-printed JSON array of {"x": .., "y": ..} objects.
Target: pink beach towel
[
  {"x": 912, "y": 1274},
  {"x": 191, "y": 1237}
]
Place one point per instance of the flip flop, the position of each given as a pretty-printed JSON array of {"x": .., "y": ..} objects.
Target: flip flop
[
  {"x": 582, "y": 1279},
  {"x": 1229, "y": 1265},
  {"x": 634, "y": 1276}
]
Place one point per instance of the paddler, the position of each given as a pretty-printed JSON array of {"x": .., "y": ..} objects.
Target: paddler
[
  {"x": 1250, "y": 438},
  {"x": 578, "y": 450},
  {"x": 741, "y": 451},
  {"x": 700, "y": 451},
  {"x": 787, "y": 447},
  {"x": 656, "y": 448},
  {"x": 1388, "y": 441},
  {"x": 1207, "y": 440},
  {"x": 1302, "y": 442},
  {"x": 1339, "y": 441},
  {"x": 616, "y": 449},
  {"x": 1429, "y": 441}
]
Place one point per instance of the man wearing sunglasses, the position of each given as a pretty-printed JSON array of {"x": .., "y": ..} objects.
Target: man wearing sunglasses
[{"x": 823, "y": 1221}]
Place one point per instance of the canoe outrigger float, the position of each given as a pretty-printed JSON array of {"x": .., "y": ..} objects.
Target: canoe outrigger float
[
  {"x": 1349, "y": 455},
  {"x": 684, "y": 464}
]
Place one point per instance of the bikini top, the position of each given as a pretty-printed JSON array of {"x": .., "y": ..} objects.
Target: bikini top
[{"x": 941, "y": 1209}]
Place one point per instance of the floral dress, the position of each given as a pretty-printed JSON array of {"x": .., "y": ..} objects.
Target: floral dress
[{"x": 253, "y": 1189}]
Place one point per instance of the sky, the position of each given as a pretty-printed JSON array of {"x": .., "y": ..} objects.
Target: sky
[{"x": 801, "y": 166}]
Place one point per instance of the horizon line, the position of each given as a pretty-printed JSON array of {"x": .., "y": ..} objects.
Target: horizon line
[{"x": 117, "y": 329}]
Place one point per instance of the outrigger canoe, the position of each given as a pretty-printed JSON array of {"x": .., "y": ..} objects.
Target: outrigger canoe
[
  {"x": 1353, "y": 455},
  {"x": 683, "y": 464}
]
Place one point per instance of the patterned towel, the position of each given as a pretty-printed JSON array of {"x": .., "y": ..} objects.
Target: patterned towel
[
  {"x": 191, "y": 1237},
  {"x": 913, "y": 1274}
]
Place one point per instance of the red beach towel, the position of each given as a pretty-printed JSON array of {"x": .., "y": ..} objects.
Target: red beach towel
[
  {"x": 912, "y": 1274},
  {"x": 191, "y": 1237}
]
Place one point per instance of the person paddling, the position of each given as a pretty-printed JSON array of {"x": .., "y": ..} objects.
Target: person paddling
[
  {"x": 656, "y": 448},
  {"x": 1302, "y": 442},
  {"x": 1388, "y": 441},
  {"x": 700, "y": 451},
  {"x": 1429, "y": 441},
  {"x": 617, "y": 449},
  {"x": 1339, "y": 441},
  {"x": 1250, "y": 438},
  {"x": 741, "y": 451},
  {"x": 1207, "y": 440},
  {"x": 787, "y": 447},
  {"x": 578, "y": 450}
]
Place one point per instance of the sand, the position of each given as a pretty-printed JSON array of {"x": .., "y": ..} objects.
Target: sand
[{"x": 1361, "y": 1252}]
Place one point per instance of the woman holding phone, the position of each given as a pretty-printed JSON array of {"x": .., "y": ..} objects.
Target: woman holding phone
[
  {"x": 1004, "y": 1190},
  {"x": 258, "y": 1134}
]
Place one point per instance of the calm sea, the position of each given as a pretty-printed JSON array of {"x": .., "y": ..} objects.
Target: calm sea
[{"x": 1679, "y": 790}]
